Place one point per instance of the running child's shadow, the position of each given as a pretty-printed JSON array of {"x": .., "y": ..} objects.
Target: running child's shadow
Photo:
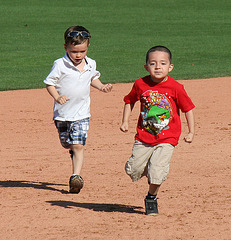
[
  {"x": 31, "y": 184},
  {"x": 99, "y": 207}
]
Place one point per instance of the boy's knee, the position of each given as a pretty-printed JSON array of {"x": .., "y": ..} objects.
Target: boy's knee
[
  {"x": 134, "y": 173},
  {"x": 76, "y": 147},
  {"x": 128, "y": 168}
]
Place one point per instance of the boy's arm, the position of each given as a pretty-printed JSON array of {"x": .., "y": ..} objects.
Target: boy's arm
[
  {"x": 96, "y": 83},
  {"x": 53, "y": 92},
  {"x": 190, "y": 120},
  {"x": 126, "y": 114}
]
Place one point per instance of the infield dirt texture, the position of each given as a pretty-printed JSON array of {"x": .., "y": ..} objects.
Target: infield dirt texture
[{"x": 194, "y": 202}]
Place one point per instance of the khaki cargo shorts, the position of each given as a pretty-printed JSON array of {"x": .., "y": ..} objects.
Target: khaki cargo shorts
[{"x": 150, "y": 161}]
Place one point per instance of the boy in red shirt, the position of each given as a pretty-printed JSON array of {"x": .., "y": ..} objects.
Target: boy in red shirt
[{"x": 159, "y": 124}]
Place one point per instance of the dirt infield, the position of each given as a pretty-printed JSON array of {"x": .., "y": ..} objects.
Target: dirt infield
[{"x": 194, "y": 202}]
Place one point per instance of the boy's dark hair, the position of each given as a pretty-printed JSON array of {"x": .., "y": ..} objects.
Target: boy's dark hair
[
  {"x": 75, "y": 40},
  {"x": 161, "y": 49}
]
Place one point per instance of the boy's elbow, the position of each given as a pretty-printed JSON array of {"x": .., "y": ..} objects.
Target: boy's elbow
[{"x": 190, "y": 112}]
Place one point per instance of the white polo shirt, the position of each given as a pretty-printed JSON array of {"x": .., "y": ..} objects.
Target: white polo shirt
[{"x": 75, "y": 85}]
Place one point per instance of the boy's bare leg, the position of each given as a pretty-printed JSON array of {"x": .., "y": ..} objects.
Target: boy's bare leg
[
  {"x": 153, "y": 189},
  {"x": 78, "y": 158}
]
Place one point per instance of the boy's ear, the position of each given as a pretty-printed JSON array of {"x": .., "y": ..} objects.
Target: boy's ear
[
  {"x": 146, "y": 67},
  {"x": 171, "y": 67},
  {"x": 65, "y": 47}
]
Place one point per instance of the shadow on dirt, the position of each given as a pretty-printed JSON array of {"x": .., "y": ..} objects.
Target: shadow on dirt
[
  {"x": 31, "y": 184},
  {"x": 99, "y": 207}
]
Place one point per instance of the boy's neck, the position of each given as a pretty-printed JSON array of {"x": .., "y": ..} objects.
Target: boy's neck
[
  {"x": 80, "y": 65},
  {"x": 159, "y": 80}
]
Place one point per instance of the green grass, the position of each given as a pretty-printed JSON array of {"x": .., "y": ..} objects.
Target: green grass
[{"x": 197, "y": 32}]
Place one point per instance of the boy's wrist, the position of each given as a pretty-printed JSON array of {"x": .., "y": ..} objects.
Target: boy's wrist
[{"x": 57, "y": 98}]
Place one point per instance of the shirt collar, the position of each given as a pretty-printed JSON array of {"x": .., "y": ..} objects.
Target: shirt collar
[{"x": 68, "y": 60}]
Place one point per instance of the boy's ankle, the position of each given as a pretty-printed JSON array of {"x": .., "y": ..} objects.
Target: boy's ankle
[{"x": 151, "y": 196}]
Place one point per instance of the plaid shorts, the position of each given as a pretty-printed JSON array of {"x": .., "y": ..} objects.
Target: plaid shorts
[{"x": 72, "y": 132}]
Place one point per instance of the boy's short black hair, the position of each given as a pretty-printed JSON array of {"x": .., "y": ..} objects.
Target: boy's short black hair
[
  {"x": 161, "y": 49},
  {"x": 75, "y": 40}
]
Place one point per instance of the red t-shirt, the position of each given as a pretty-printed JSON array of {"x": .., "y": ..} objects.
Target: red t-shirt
[{"x": 159, "y": 120}]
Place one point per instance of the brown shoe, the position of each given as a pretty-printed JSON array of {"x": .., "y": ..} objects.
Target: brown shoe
[{"x": 76, "y": 184}]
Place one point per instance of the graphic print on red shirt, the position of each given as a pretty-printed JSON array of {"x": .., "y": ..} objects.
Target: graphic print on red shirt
[
  {"x": 159, "y": 120},
  {"x": 156, "y": 111}
]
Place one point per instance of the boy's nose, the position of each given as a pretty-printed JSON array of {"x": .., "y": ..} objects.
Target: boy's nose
[{"x": 157, "y": 65}]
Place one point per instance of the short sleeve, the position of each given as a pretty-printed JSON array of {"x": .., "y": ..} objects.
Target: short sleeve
[
  {"x": 183, "y": 100},
  {"x": 132, "y": 97},
  {"x": 96, "y": 74},
  {"x": 53, "y": 76}
]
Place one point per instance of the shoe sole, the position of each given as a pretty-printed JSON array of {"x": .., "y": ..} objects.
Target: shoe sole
[{"x": 151, "y": 214}]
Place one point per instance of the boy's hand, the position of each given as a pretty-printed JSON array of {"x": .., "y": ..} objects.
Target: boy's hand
[
  {"x": 189, "y": 138},
  {"x": 62, "y": 99},
  {"x": 106, "y": 88},
  {"x": 124, "y": 127}
]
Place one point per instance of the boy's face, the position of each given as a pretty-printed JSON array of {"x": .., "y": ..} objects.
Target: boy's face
[
  {"x": 158, "y": 66},
  {"x": 77, "y": 52}
]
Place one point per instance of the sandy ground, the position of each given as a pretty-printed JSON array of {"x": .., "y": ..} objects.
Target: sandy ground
[{"x": 194, "y": 202}]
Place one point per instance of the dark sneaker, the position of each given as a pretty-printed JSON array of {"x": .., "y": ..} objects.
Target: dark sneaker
[
  {"x": 76, "y": 184},
  {"x": 151, "y": 207}
]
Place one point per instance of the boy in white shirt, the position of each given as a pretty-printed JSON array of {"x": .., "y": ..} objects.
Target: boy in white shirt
[{"x": 69, "y": 84}]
